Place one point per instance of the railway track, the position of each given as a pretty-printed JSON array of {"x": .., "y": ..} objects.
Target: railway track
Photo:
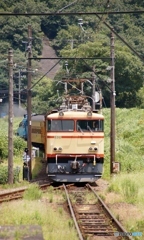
[
  {"x": 93, "y": 220},
  {"x": 18, "y": 193}
]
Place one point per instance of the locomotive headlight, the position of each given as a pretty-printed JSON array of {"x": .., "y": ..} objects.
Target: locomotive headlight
[
  {"x": 57, "y": 149},
  {"x": 95, "y": 148},
  {"x": 90, "y": 148}
]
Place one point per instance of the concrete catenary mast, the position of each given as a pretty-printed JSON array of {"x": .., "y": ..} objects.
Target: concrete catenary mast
[
  {"x": 112, "y": 99},
  {"x": 10, "y": 118},
  {"x": 29, "y": 104}
]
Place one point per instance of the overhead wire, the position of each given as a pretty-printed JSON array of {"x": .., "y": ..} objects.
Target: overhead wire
[
  {"x": 44, "y": 75},
  {"x": 66, "y": 6},
  {"x": 103, "y": 17},
  {"x": 121, "y": 38},
  {"x": 59, "y": 60},
  {"x": 97, "y": 75}
]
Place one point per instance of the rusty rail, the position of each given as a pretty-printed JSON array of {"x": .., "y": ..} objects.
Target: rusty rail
[
  {"x": 73, "y": 215},
  {"x": 120, "y": 228},
  {"x": 15, "y": 194},
  {"x": 18, "y": 193}
]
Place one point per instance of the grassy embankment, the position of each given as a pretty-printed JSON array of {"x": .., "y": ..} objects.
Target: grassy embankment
[{"x": 124, "y": 192}]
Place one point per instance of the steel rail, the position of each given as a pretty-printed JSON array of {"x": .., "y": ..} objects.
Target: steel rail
[
  {"x": 18, "y": 193},
  {"x": 15, "y": 194},
  {"x": 61, "y": 186},
  {"x": 119, "y": 226},
  {"x": 73, "y": 215}
]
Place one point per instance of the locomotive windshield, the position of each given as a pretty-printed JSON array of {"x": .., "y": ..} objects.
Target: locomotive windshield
[
  {"x": 60, "y": 125},
  {"x": 90, "y": 125}
]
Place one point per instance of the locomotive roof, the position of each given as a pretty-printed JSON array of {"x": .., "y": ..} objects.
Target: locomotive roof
[{"x": 74, "y": 115}]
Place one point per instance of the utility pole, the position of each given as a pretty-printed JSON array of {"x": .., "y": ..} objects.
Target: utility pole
[
  {"x": 29, "y": 104},
  {"x": 93, "y": 88},
  {"x": 10, "y": 118},
  {"x": 113, "y": 94},
  {"x": 101, "y": 98},
  {"x": 19, "y": 89}
]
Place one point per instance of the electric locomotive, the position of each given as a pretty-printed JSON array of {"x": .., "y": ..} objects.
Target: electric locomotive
[
  {"x": 72, "y": 138},
  {"x": 74, "y": 142}
]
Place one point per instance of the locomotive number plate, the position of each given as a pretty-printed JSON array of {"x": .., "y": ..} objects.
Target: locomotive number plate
[{"x": 57, "y": 136}]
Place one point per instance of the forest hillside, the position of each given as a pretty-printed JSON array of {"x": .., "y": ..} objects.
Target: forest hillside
[{"x": 77, "y": 36}]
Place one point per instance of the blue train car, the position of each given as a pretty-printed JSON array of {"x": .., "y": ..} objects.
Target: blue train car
[{"x": 22, "y": 130}]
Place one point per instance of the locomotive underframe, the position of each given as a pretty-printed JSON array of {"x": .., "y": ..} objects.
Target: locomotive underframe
[{"x": 74, "y": 168}]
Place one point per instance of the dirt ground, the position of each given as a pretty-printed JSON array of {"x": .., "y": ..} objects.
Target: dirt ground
[{"x": 47, "y": 64}]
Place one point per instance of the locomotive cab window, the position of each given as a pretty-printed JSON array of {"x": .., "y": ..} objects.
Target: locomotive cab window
[
  {"x": 60, "y": 125},
  {"x": 90, "y": 125}
]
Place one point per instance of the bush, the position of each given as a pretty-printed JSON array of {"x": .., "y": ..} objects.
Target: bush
[
  {"x": 3, "y": 146},
  {"x": 4, "y": 174},
  {"x": 19, "y": 145}
]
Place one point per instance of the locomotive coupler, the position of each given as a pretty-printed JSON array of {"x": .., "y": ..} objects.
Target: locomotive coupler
[{"x": 75, "y": 166}]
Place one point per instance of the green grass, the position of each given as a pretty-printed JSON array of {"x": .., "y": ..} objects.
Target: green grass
[
  {"x": 130, "y": 186},
  {"x": 32, "y": 193},
  {"x": 33, "y": 213},
  {"x": 129, "y": 139},
  {"x": 38, "y": 210},
  {"x": 4, "y": 124}
]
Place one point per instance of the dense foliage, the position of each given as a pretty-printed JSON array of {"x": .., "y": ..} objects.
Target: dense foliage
[
  {"x": 18, "y": 143},
  {"x": 4, "y": 174},
  {"x": 18, "y": 147},
  {"x": 70, "y": 38}
]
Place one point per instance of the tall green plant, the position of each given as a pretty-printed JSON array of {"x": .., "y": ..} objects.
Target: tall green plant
[
  {"x": 33, "y": 192},
  {"x": 129, "y": 190}
]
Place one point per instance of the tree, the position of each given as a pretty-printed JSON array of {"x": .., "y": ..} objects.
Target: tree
[
  {"x": 128, "y": 69},
  {"x": 44, "y": 96},
  {"x": 70, "y": 40}
]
